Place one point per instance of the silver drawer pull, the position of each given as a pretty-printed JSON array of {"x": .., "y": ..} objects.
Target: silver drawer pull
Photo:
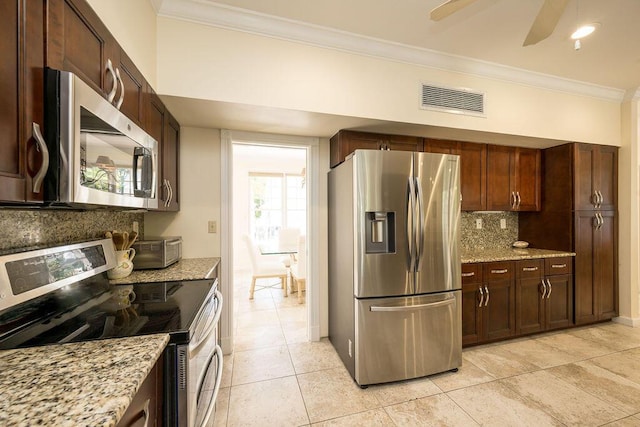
[
  {"x": 558, "y": 265},
  {"x": 471, "y": 274},
  {"x": 499, "y": 271},
  {"x": 529, "y": 268}
]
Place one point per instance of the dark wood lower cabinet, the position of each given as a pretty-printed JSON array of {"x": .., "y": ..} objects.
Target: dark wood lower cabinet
[
  {"x": 515, "y": 298},
  {"x": 146, "y": 406}
]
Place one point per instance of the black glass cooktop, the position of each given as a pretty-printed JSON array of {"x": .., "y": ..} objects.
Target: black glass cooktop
[{"x": 90, "y": 310}]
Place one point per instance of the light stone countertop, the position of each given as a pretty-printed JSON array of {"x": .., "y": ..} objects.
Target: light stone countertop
[
  {"x": 509, "y": 254},
  {"x": 89, "y": 383},
  {"x": 185, "y": 269}
]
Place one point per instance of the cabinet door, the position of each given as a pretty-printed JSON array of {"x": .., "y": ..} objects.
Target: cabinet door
[
  {"x": 403, "y": 143},
  {"x": 171, "y": 160},
  {"x": 146, "y": 407},
  {"x": 498, "y": 316},
  {"x": 528, "y": 177},
  {"x": 21, "y": 103},
  {"x": 605, "y": 267},
  {"x": 441, "y": 146},
  {"x": 585, "y": 176},
  {"x": 79, "y": 42},
  {"x": 607, "y": 182},
  {"x": 529, "y": 291},
  {"x": 471, "y": 314},
  {"x": 559, "y": 301},
  {"x": 133, "y": 92},
  {"x": 500, "y": 175},
  {"x": 155, "y": 120},
  {"x": 473, "y": 176},
  {"x": 585, "y": 285}
]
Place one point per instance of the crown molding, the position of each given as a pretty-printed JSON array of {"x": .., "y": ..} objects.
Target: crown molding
[
  {"x": 632, "y": 95},
  {"x": 232, "y": 18}
]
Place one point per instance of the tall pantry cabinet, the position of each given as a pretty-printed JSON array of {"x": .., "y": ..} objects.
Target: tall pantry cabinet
[{"x": 579, "y": 215}]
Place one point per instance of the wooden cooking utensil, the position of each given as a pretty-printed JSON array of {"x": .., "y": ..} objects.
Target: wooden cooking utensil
[
  {"x": 132, "y": 239},
  {"x": 118, "y": 240},
  {"x": 125, "y": 240}
]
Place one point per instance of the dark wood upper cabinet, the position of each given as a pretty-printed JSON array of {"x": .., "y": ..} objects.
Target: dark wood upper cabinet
[
  {"x": 596, "y": 169},
  {"x": 131, "y": 89},
  {"x": 513, "y": 178},
  {"x": 171, "y": 161},
  {"x": 21, "y": 102},
  {"x": 346, "y": 142}
]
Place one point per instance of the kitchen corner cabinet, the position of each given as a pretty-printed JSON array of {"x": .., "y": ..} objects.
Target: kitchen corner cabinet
[
  {"x": 146, "y": 407},
  {"x": 596, "y": 281},
  {"x": 22, "y": 155},
  {"x": 473, "y": 170},
  {"x": 79, "y": 42},
  {"x": 544, "y": 294},
  {"x": 488, "y": 307},
  {"x": 346, "y": 142},
  {"x": 166, "y": 131},
  {"x": 513, "y": 178}
]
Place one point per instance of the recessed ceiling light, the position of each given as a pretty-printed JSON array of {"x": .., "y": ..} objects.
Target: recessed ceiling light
[{"x": 583, "y": 31}]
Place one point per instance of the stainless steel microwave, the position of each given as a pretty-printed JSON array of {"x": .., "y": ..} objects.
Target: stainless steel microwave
[{"x": 97, "y": 156}]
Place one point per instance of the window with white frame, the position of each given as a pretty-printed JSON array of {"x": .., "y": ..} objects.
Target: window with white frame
[{"x": 276, "y": 201}]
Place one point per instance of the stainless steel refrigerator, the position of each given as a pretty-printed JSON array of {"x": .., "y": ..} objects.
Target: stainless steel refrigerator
[{"x": 394, "y": 264}]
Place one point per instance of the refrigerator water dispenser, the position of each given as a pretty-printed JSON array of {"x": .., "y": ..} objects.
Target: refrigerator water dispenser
[{"x": 380, "y": 232}]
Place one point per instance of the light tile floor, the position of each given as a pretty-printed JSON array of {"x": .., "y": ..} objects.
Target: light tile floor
[{"x": 587, "y": 376}]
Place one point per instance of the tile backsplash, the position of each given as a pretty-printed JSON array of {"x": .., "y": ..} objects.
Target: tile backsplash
[
  {"x": 37, "y": 227},
  {"x": 491, "y": 235}
]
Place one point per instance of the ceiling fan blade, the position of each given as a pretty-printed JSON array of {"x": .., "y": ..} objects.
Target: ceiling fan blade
[
  {"x": 448, "y": 8},
  {"x": 546, "y": 21}
]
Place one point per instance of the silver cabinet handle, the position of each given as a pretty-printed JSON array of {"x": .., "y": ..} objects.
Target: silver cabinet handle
[
  {"x": 146, "y": 412},
  {"x": 121, "y": 99},
  {"x": 513, "y": 200},
  {"x": 470, "y": 274},
  {"x": 600, "y": 199},
  {"x": 594, "y": 199},
  {"x": 529, "y": 268},
  {"x": 481, "y": 296},
  {"x": 42, "y": 147},
  {"x": 170, "y": 194},
  {"x": 519, "y": 200},
  {"x": 544, "y": 289},
  {"x": 112, "y": 93},
  {"x": 486, "y": 291},
  {"x": 550, "y": 288},
  {"x": 503, "y": 271},
  {"x": 596, "y": 222},
  {"x": 558, "y": 265},
  {"x": 600, "y": 220}
]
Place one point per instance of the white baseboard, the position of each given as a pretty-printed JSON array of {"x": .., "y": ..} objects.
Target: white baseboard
[
  {"x": 314, "y": 333},
  {"x": 634, "y": 322},
  {"x": 227, "y": 345}
]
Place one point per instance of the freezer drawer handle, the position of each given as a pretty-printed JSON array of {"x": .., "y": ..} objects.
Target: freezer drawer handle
[
  {"x": 558, "y": 265},
  {"x": 470, "y": 274},
  {"x": 447, "y": 301},
  {"x": 529, "y": 268},
  {"x": 503, "y": 271}
]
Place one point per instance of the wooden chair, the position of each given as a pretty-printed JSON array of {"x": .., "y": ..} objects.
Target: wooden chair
[
  {"x": 299, "y": 270},
  {"x": 264, "y": 268}
]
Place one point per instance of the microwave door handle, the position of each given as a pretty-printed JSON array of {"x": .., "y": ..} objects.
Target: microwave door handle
[{"x": 42, "y": 146}]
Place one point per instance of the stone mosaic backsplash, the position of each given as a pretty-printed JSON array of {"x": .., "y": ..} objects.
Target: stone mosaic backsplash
[
  {"x": 38, "y": 227},
  {"x": 490, "y": 236}
]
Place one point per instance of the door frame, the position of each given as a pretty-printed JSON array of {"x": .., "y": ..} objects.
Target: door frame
[{"x": 312, "y": 145}]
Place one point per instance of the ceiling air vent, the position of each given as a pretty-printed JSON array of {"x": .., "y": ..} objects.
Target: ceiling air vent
[{"x": 460, "y": 101}]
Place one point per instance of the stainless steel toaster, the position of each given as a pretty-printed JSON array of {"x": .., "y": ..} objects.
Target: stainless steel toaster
[{"x": 157, "y": 252}]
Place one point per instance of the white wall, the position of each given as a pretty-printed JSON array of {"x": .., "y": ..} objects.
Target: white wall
[
  {"x": 203, "y": 62},
  {"x": 133, "y": 24},
  {"x": 200, "y": 184}
]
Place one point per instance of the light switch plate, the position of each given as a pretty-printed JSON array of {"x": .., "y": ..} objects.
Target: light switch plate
[
  {"x": 479, "y": 223},
  {"x": 213, "y": 227},
  {"x": 503, "y": 223}
]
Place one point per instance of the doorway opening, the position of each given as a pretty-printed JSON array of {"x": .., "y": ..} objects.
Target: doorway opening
[{"x": 234, "y": 249}]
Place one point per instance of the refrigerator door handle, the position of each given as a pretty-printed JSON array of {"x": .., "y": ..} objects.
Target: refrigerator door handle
[
  {"x": 442, "y": 303},
  {"x": 410, "y": 223},
  {"x": 420, "y": 226}
]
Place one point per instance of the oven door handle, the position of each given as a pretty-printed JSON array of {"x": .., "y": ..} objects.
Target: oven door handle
[
  {"x": 210, "y": 325},
  {"x": 216, "y": 388}
]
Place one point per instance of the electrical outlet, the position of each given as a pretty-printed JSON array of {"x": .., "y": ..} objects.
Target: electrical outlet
[
  {"x": 135, "y": 226},
  {"x": 503, "y": 224},
  {"x": 479, "y": 223},
  {"x": 213, "y": 227}
]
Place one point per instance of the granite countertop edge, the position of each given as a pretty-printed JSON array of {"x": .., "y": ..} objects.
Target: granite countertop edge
[
  {"x": 185, "y": 269},
  {"x": 510, "y": 254},
  {"x": 89, "y": 383}
]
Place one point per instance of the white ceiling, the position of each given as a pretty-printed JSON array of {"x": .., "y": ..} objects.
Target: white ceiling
[{"x": 488, "y": 30}]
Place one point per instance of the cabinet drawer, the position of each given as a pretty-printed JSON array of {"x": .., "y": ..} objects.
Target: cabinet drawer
[
  {"x": 501, "y": 270},
  {"x": 471, "y": 273},
  {"x": 554, "y": 266},
  {"x": 530, "y": 269}
]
